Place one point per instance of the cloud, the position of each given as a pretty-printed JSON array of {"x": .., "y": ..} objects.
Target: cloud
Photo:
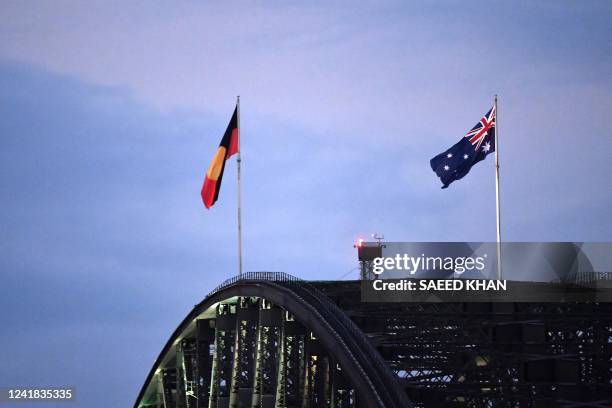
[
  {"x": 379, "y": 68},
  {"x": 110, "y": 113}
]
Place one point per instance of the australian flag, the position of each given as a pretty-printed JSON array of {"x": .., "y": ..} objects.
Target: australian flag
[{"x": 457, "y": 161}]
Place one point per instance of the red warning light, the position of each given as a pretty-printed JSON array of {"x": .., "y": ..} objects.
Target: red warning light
[{"x": 359, "y": 243}]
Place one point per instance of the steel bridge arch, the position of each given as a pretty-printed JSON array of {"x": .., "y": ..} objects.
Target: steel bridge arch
[{"x": 372, "y": 382}]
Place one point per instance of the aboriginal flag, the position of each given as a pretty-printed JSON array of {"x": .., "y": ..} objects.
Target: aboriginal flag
[{"x": 214, "y": 174}]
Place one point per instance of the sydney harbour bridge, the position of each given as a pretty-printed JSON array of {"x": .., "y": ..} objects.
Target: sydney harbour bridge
[{"x": 271, "y": 340}]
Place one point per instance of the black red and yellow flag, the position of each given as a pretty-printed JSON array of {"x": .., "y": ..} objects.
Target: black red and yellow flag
[{"x": 214, "y": 174}]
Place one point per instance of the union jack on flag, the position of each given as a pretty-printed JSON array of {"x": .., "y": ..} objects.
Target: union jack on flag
[
  {"x": 456, "y": 162},
  {"x": 480, "y": 131}
]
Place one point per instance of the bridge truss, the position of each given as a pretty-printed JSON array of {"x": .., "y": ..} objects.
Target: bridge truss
[{"x": 270, "y": 340}]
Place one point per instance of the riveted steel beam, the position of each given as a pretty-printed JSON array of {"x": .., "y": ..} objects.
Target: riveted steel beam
[
  {"x": 205, "y": 342},
  {"x": 168, "y": 380},
  {"x": 268, "y": 352},
  {"x": 291, "y": 375},
  {"x": 247, "y": 321},
  {"x": 225, "y": 335}
]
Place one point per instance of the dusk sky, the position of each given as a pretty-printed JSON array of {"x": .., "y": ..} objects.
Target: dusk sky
[{"x": 111, "y": 111}]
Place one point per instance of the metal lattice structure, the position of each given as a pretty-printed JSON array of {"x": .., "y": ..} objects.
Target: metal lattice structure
[{"x": 271, "y": 340}]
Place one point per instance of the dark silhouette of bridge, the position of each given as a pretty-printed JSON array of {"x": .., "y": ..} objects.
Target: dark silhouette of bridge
[{"x": 271, "y": 340}]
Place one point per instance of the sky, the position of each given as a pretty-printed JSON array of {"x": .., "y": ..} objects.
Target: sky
[{"x": 111, "y": 111}]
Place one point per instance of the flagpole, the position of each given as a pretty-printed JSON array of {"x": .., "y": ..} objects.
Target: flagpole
[
  {"x": 497, "y": 212},
  {"x": 238, "y": 160}
]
